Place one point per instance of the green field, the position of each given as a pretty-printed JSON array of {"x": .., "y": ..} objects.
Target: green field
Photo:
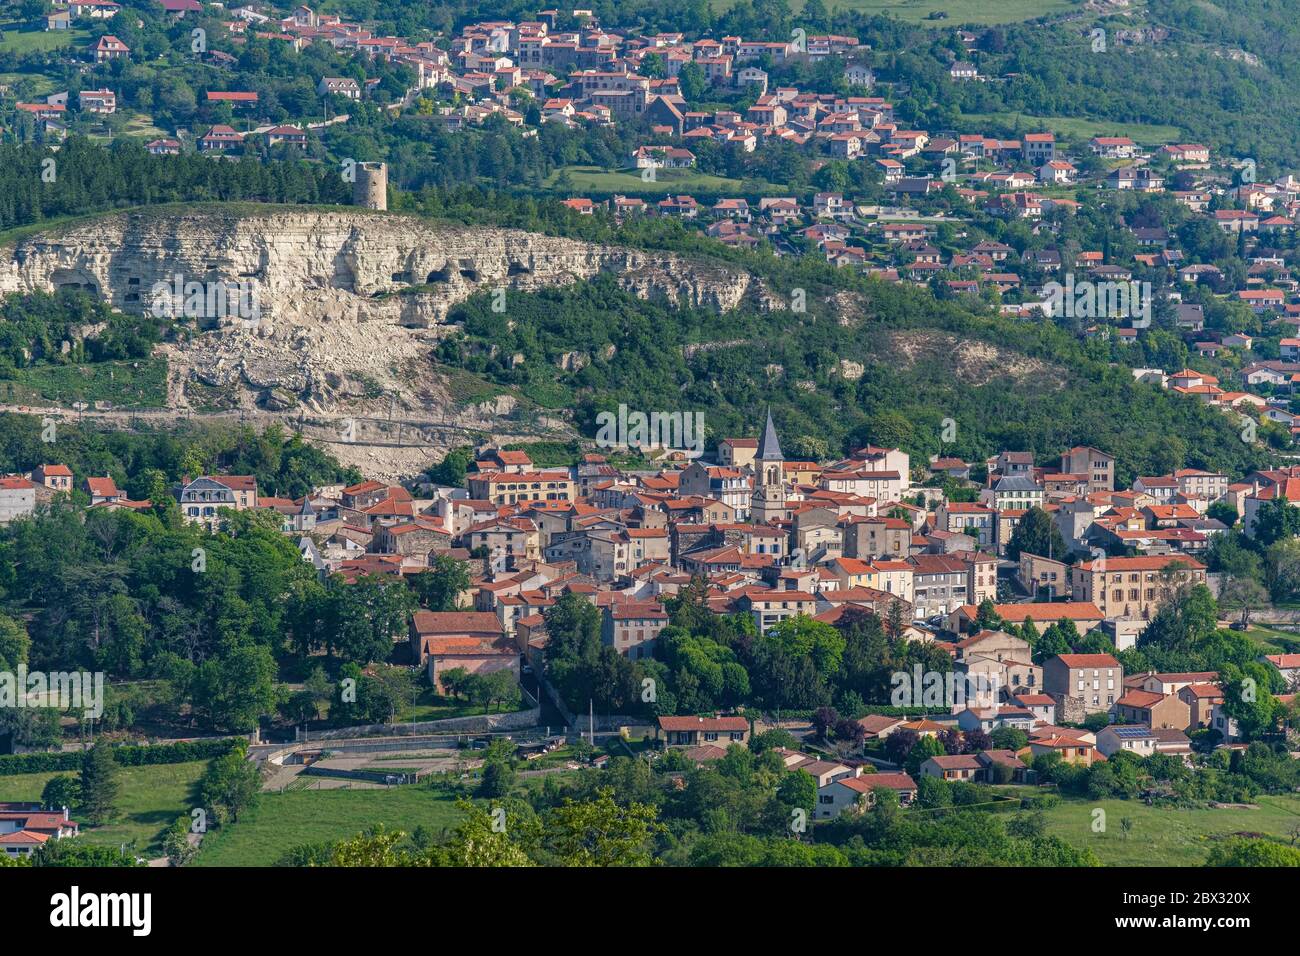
[
  {"x": 284, "y": 820},
  {"x": 40, "y": 83},
  {"x": 22, "y": 38},
  {"x": 150, "y": 799},
  {"x": 593, "y": 179},
  {"x": 1272, "y": 640},
  {"x": 1145, "y": 133},
  {"x": 140, "y": 383},
  {"x": 959, "y": 11},
  {"x": 431, "y": 706},
  {"x": 1166, "y": 837},
  {"x": 139, "y": 125}
]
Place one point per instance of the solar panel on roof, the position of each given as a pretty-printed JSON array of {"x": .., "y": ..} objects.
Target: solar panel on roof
[{"x": 1131, "y": 732}]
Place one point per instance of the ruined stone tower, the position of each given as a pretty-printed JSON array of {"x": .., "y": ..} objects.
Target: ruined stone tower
[{"x": 370, "y": 189}]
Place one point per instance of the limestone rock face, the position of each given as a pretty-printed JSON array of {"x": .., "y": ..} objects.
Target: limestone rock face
[
  {"x": 348, "y": 303},
  {"x": 310, "y": 265}
]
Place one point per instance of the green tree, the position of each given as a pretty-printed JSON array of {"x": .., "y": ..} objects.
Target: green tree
[
  {"x": 1246, "y": 852},
  {"x": 453, "y": 680},
  {"x": 1275, "y": 520},
  {"x": 1036, "y": 534},
  {"x": 986, "y": 618},
  {"x": 1247, "y": 698},
  {"x": 79, "y": 853},
  {"x": 14, "y": 644},
  {"x": 99, "y": 785},
  {"x": 233, "y": 692},
  {"x": 177, "y": 845},
  {"x": 692, "y": 82},
  {"x": 925, "y": 748},
  {"x": 802, "y": 637},
  {"x": 503, "y": 690},
  {"x": 230, "y": 785},
  {"x": 1008, "y": 738},
  {"x": 499, "y": 776},
  {"x": 61, "y": 791},
  {"x": 798, "y": 790},
  {"x": 1187, "y": 617},
  {"x": 600, "y": 832},
  {"x": 440, "y": 587}
]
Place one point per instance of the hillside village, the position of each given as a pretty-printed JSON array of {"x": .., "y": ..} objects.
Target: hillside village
[
  {"x": 726, "y": 640},
  {"x": 776, "y": 541},
  {"x": 936, "y": 197}
]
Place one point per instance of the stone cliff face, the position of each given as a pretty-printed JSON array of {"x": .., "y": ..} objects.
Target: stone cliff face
[
  {"x": 349, "y": 303},
  {"x": 316, "y": 265}
]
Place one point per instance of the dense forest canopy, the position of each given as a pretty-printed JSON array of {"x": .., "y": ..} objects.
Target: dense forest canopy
[{"x": 1006, "y": 384}]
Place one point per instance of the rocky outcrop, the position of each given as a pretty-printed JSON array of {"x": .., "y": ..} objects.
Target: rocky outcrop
[
  {"x": 342, "y": 266},
  {"x": 339, "y": 309}
]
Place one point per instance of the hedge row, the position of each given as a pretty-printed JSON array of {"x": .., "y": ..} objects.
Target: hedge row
[{"x": 126, "y": 756}]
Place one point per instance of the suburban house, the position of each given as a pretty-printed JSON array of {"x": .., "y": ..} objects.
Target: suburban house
[
  {"x": 286, "y": 136},
  {"x": 1288, "y": 665},
  {"x": 54, "y": 477},
  {"x": 1165, "y": 711},
  {"x": 1137, "y": 739},
  {"x": 954, "y": 767},
  {"x": 102, "y": 490},
  {"x": 109, "y": 48},
  {"x": 26, "y": 827},
  {"x": 202, "y": 499},
  {"x": 1071, "y": 749},
  {"x": 1113, "y": 147},
  {"x": 878, "y": 726},
  {"x": 97, "y": 101},
  {"x": 699, "y": 731},
  {"x": 857, "y": 793},
  {"x": 1201, "y": 699},
  {"x": 473, "y": 640},
  {"x": 339, "y": 86}
]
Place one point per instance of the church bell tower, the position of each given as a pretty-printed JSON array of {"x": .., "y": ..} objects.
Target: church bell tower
[{"x": 768, "y": 501}]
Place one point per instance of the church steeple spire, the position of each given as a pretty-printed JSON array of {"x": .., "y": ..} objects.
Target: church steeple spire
[
  {"x": 768, "y": 501},
  {"x": 769, "y": 446}
]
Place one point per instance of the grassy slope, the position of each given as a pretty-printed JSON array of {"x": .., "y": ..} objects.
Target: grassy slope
[
  {"x": 140, "y": 383},
  {"x": 284, "y": 820},
  {"x": 1166, "y": 837},
  {"x": 149, "y": 800},
  {"x": 593, "y": 179},
  {"x": 22, "y": 38},
  {"x": 1146, "y": 133},
  {"x": 1272, "y": 640}
]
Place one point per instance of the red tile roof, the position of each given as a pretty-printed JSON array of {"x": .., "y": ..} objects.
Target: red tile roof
[
  {"x": 708, "y": 724},
  {"x": 430, "y": 623},
  {"x": 1088, "y": 660},
  {"x": 870, "y": 781}
]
